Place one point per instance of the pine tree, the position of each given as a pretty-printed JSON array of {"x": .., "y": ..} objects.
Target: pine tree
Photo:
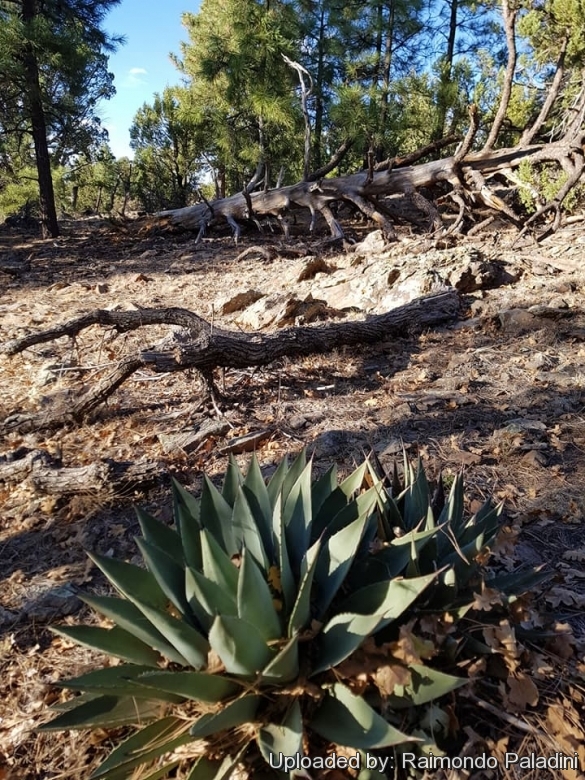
[{"x": 53, "y": 70}]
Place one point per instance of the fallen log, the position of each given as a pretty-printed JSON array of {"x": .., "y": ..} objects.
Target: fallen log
[
  {"x": 200, "y": 345},
  {"x": 47, "y": 475},
  {"x": 470, "y": 180}
]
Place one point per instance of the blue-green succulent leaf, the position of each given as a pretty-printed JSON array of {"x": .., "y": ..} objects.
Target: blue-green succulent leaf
[
  {"x": 127, "y": 616},
  {"x": 255, "y": 600},
  {"x": 167, "y": 572},
  {"x": 104, "y": 712},
  {"x": 284, "y": 739},
  {"x": 217, "y": 565},
  {"x": 131, "y": 581},
  {"x": 150, "y": 742},
  {"x": 240, "y": 645},
  {"x": 346, "y": 719},
  {"x": 301, "y": 612},
  {"x": 237, "y": 713},
  {"x": 160, "y": 535},
  {"x": 284, "y": 667},
  {"x": 198, "y": 686},
  {"x": 113, "y": 641}
]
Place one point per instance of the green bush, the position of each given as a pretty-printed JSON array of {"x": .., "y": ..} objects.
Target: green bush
[{"x": 251, "y": 631}]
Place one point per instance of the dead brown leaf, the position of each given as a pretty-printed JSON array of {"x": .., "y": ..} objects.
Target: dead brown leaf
[{"x": 522, "y": 692}]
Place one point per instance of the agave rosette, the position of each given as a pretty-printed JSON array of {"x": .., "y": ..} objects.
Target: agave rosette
[{"x": 247, "y": 605}]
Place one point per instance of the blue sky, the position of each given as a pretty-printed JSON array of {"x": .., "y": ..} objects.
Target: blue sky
[{"x": 142, "y": 66}]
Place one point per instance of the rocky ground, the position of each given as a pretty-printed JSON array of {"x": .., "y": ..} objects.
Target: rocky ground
[{"x": 498, "y": 393}]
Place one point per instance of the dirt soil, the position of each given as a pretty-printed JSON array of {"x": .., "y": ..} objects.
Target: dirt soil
[{"x": 499, "y": 394}]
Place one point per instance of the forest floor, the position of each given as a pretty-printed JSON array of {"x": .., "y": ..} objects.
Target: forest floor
[{"x": 500, "y": 394}]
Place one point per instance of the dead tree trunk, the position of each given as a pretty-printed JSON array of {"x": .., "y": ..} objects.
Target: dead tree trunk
[
  {"x": 470, "y": 180},
  {"x": 203, "y": 347}
]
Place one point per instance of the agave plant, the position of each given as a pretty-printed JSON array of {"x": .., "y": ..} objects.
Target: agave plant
[{"x": 232, "y": 639}]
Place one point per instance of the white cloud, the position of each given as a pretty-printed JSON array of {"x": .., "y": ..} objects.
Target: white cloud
[{"x": 135, "y": 77}]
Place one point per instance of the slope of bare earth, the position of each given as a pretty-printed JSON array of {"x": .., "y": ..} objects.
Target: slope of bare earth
[{"x": 500, "y": 393}]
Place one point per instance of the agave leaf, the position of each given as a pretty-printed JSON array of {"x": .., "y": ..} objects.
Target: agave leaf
[
  {"x": 342, "y": 635},
  {"x": 301, "y": 612},
  {"x": 186, "y": 514},
  {"x": 426, "y": 684},
  {"x": 232, "y": 715},
  {"x": 386, "y": 564},
  {"x": 130, "y": 618},
  {"x": 487, "y": 522},
  {"x": 293, "y": 473},
  {"x": 217, "y": 565},
  {"x": 189, "y": 502},
  {"x": 362, "y": 506},
  {"x": 216, "y": 517},
  {"x": 246, "y": 529},
  {"x": 287, "y": 582},
  {"x": 348, "y": 720},
  {"x": 118, "y": 681},
  {"x": 259, "y": 502},
  {"x": 207, "y": 598},
  {"x": 255, "y": 600},
  {"x": 379, "y": 604},
  {"x": 169, "y": 575},
  {"x": 452, "y": 513},
  {"x": 390, "y": 599},
  {"x": 205, "y": 769},
  {"x": 104, "y": 712},
  {"x": 113, "y": 641},
  {"x": 143, "y": 746},
  {"x": 276, "y": 481},
  {"x": 297, "y": 517},
  {"x": 161, "y": 536},
  {"x": 518, "y": 582},
  {"x": 183, "y": 637},
  {"x": 417, "y": 497},
  {"x": 232, "y": 480},
  {"x": 355, "y": 480},
  {"x": 322, "y": 489},
  {"x": 335, "y": 559},
  {"x": 285, "y": 665},
  {"x": 189, "y": 685},
  {"x": 131, "y": 581},
  {"x": 240, "y": 645},
  {"x": 337, "y": 501},
  {"x": 162, "y": 772},
  {"x": 285, "y": 739}
]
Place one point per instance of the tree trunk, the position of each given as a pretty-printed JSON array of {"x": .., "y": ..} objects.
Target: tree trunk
[{"x": 49, "y": 223}]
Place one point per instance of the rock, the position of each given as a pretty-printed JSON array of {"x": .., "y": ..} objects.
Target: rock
[
  {"x": 56, "y": 602},
  {"x": 240, "y": 301},
  {"x": 262, "y": 313},
  {"x": 314, "y": 266},
  {"x": 297, "y": 421},
  {"x": 373, "y": 244},
  {"x": 518, "y": 320},
  {"x": 480, "y": 275},
  {"x": 101, "y": 288},
  {"x": 344, "y": 296}
]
